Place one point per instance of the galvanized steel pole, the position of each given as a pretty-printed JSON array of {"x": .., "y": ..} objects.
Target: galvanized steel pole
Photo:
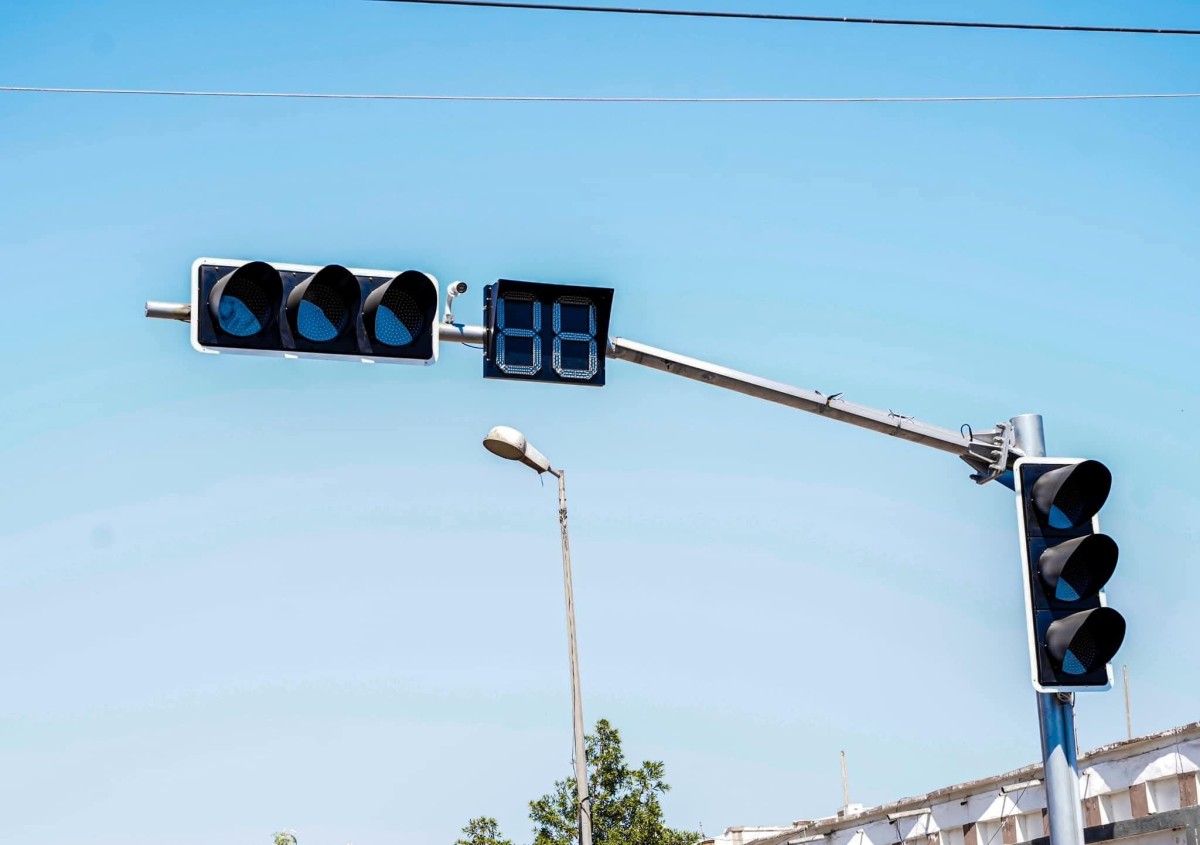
[
  {"x": 582, "y": 792},
  {"x": 1056, "y": 712}
]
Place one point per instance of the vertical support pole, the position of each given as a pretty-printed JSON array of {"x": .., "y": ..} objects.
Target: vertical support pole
[
  {"x": 581, "y": 779},
  {"x": 1056, "y": 712},
  {"x": 1128, "y": 712},
  {"x": 845, "y": 783}
]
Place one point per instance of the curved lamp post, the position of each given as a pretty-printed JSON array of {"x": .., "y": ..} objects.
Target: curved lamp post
[{"x": 511, "y": 444}]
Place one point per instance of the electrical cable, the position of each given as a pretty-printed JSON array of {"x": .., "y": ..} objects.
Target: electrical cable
[
  {"x": 769, "y": 16},
  {"x": 483, "y": 98},
  {"x": 1015, "y": 802}
]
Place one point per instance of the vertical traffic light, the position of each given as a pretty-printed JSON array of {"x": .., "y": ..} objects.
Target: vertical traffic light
[
  {"x": 1073, "y": 634},
  {"x": 299, "y": 311}
]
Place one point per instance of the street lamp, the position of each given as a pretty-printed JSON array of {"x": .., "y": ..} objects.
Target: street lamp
[{"x": 511, "y": 444}]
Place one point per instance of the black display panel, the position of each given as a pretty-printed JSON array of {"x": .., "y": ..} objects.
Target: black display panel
[{"x": 546, "y": 332}]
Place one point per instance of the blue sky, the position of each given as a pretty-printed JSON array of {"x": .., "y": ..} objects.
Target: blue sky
[{"x": 242, "y": 595}]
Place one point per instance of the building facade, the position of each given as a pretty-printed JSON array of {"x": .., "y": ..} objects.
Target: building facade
[{"x": 1142, "y": 789}]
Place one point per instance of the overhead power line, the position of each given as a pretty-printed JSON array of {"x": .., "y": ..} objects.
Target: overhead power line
[
  {"x": 502, "y": 98},
  {"x": 767, "y": 16}
]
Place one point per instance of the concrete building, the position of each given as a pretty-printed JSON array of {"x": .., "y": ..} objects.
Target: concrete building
[{"x": 1143, "y": 790}]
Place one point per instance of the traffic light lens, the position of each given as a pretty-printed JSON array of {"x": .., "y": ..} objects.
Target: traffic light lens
[
  {"x": 1068, "y": 592},
  {"x": 237, "y": 319},
  {"x": 1070, "y": 507},
  {"x": 399, "y": 320},
  {"x": 244, "y": 308},
  {"x": 1075, "y": 583},
  {"x": 1083, "y": 642},
  {"x": 322, "y": 314},
  {"x": 1074, "y": 664}
]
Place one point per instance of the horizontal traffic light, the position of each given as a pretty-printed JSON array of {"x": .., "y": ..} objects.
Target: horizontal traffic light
[
  {"x": 546, "y": 332},
  {"x": 300, "y": 311},
  {"x": 1067, "y": 562}
]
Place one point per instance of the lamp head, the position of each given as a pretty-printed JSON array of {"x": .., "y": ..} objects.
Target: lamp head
[{"x": 511, "y": 444}]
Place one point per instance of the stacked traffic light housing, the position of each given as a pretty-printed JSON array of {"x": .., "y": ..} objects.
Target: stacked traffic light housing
[
  {"x": 300, "y": 311},
  {"x": 1073, "y": 634}
]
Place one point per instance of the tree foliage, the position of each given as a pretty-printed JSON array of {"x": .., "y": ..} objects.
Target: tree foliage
[
  {"x": 625, "y": 803},
  {"x": 482, "y": 831}
]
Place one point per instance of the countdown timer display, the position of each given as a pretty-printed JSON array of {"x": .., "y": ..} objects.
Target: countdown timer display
[{"x": 546, "y": 332}]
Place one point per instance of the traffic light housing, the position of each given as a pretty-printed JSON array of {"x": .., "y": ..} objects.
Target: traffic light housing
[
  {"x": 302, "y": 311},
  {"x": 546, "y": 332},
  {"x": 1066, "y": 562}
]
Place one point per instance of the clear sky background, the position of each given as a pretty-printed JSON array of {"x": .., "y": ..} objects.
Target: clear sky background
[{"x": 241, "y": 595}]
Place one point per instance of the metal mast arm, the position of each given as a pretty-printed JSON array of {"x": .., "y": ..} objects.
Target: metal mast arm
[{"x": 990, "y": 453}]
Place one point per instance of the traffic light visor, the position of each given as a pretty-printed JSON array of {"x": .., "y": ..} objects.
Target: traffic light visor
[
  {"x": 245, "y": 302},
  {"x": 1083, "y": 642},
  {"x": 1069, "y": 497},
  {"x": 323, "y": 307},
  {"x": 1079, "y": 568},
  {"x": 401, "y": 312}
]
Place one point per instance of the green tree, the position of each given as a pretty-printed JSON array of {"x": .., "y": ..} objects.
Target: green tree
[
  {"x": 285, "y": 837},
  {"x": 626, "y": 806},
  {"x": 482, "y": 831}
]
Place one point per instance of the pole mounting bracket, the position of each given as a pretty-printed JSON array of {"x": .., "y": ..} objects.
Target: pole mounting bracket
[{"x": 990, "y": 453}]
